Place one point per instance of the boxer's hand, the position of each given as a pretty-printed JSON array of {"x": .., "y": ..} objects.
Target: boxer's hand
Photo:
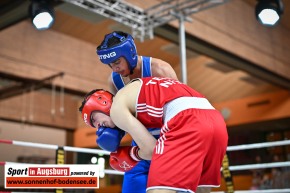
[
  {"x": 125, "y": 158},
  {"x": 109, "y": 138}
]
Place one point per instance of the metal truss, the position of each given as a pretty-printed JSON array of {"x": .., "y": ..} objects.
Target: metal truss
[{"x": 142, "y": 22}]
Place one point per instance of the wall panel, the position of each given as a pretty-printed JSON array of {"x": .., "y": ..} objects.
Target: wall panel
[{"x": 38, "y": 54}]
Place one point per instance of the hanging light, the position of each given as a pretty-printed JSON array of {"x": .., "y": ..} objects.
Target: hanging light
[
  {"x": 42, "y": 14},
  {"x": 268, "y": 12}
]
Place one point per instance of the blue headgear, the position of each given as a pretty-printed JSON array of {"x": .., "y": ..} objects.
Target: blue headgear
[{"x": 125, "y": 48}]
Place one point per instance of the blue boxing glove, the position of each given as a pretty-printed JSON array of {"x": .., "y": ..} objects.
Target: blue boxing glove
[{"x": 109, "y": 138}]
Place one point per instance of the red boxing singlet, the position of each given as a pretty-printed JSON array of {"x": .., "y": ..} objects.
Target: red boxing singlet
[{"x": 193, "y": 138}]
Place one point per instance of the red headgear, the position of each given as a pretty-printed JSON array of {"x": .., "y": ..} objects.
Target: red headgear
[{"x": 99, "y": 100}]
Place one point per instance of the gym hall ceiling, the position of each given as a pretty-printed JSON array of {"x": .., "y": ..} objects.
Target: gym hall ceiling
[{"x": 230, "y": 56}]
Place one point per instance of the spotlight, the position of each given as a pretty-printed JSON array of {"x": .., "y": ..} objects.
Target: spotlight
[
  {"x": 41, "y": 13},
  {"x": 268, "y": 12}
]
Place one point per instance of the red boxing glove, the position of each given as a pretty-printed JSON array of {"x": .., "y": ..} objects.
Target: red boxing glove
[{"x": 125, "y": 158}]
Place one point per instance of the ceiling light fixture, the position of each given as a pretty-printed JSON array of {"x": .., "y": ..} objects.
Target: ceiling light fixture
[
  {"x": 268, "y": 12},
  {"x": 42, "y": 14}
]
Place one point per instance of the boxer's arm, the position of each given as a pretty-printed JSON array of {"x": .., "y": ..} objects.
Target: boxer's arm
[
  {"x": 145, "y": 141},
  {"x": 122, "y": 111},
  {"x": 160, "y": 68}
]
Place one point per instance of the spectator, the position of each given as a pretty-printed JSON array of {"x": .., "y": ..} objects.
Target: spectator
[{"x": 266, "y": 182}]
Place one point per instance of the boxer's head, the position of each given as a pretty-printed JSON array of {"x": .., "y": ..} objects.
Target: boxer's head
[
  {"x": 118, "y": 44},
  {"x": 96, "y": 100}
]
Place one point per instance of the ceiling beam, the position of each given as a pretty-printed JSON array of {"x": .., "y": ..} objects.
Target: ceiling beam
[
  {"x": 27, "y": 85},
  {"x": 192, "y": 43}
]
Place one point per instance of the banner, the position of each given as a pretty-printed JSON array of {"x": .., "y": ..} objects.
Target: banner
[{"x": 48, "y": 176}]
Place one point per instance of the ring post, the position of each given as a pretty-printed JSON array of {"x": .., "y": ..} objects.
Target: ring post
[{"x": 59, "y": 159}]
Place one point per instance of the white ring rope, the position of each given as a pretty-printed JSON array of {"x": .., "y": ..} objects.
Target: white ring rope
[
  {"x": 258, "y": 145},
  {"x": 259, "y": 166},
  {"x": 96, "y": 151},
  {"x": 49, "y": 146},
  {"x": 230, "y": 148}
]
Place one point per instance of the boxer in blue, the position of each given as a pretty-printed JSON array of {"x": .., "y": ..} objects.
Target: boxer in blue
[{"x": 118, "y": 51}]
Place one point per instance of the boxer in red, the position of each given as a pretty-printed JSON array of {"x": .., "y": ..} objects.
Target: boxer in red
[{"x": 193, "y": 140}]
